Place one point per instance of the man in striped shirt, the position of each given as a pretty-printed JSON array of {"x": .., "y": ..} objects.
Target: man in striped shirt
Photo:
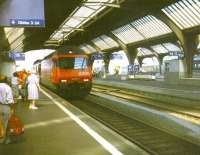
[{"x": 6, "y": 106}]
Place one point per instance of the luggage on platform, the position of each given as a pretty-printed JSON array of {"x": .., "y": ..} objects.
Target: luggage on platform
[{"x": 15, "y": 125}]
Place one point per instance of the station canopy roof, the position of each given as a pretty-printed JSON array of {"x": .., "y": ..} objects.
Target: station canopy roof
[
  {"x": 158, "y": 49},
  {"x": 105, "y": 42},
  {"x": 80, "y": 16},
  {"x": 90, "y": 24},
  {"x": 184, "y": 13},
  {"x": 144, "y": 28},
  {"x": 88, "y": 48}
]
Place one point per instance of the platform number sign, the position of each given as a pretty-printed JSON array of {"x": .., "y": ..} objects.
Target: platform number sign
[
  {"x": 179, "y": 54},
  {"x": 98, "y": 56},
  {"x": 132, "y": 69}
]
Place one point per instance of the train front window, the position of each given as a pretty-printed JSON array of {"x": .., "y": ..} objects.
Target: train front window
[{"x": 73, "y": 63}]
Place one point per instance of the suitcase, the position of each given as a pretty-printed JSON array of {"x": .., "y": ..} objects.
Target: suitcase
[{"x": 16, "y": 127}]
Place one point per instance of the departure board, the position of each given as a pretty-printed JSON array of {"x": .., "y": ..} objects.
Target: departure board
[{"x": 22, "y": 13}]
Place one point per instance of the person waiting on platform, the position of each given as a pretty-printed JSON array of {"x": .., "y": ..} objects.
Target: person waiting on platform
[
  {"x": 6, "y": 107},
  {"x": 15, "y": 85},
  {"x": 33, "y": 90},
  {"x": 22, "y": 75}
]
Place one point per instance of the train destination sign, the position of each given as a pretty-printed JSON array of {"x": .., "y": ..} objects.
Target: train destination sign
[{"x": 22, "y": 13}]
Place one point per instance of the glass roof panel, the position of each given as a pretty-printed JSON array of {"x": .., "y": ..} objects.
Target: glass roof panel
[
  {"x": 159, "y": 49},
  {"x": 18, "y": 43},
  {"x": 82, "y": 14},
  {"x": 13, "y": 33},
  {"x": 184, "y": 13},
  {"x": 190, "y": 12},
  {"x": 94, "y": 7},
  {"x": 109, "y": 41},
  {"x": 92, "y": 49},
  {"x": 72, "y": 23},
  {"x": 143, "y": 51},
  {"x": 100, "y": 43},
  {"x": 128, "y": 34},
  {"x": 171, "y": 47},
  {"x": 57, "y": 36},
  {"x": 87, "y": 48},
  {"x": 149, "y": 27},
  {"x": 84, "y": 48},
  {"x": 143, "y": 28}
]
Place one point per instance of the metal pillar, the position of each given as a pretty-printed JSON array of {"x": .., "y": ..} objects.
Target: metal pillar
[
  {"x": 107, "y": 61},
  {"x": 187, "y": 42},
  {"x": 160, "y": 60},
  {"x": 140, "y": 59},
  {"x": 131, "y": 53},
  {"x": 5, "y": 46}
]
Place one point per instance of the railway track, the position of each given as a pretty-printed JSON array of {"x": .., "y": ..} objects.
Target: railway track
[
  {"x": 149, "y": 138},
  {"x": 190, "y": 113}
]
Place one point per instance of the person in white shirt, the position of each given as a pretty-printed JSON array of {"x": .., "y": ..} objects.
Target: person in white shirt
[
  {"x": 33, "y": 90},
  {"x": 6, "y": 106}
]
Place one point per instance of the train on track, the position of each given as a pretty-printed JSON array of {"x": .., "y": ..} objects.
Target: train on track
[{"x": 67, "y": 71}]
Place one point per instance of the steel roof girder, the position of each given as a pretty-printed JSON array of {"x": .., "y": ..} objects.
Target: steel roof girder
[
  {"x": 131, "y": 53},
  {"x": 153, "y": 51},
  {"x": 91, "y": 43},
  {"x": 187, "y": 42}
]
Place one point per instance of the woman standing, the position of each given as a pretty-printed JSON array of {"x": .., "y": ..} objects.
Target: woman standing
[{"x": 33, "y": 88}]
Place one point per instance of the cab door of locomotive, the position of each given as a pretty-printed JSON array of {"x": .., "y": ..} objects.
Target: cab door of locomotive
[{"x": 54, "y": 68}]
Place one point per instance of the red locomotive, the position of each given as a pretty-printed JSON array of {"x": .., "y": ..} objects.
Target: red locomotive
[{"x": 66, "y": 71}]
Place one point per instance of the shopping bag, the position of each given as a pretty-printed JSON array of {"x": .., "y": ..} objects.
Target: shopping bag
[
  {"x": 2, "y": 130},
  {"x": 16, "y": 127}
]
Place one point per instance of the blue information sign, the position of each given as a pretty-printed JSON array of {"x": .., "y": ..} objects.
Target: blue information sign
[
  {"x": 179, "y": 54},
  {"x": 132, "y": 69},
  {"x": 27, "y": 22},
  {"x": 16, "y": 56},
  {"x": 22, "y": 13},
  {"x": 116, "y": 56},
  {"x": 98, "y": 56}
]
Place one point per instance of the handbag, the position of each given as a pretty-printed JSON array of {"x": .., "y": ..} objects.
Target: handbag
[{"x": 16, "y": 127}]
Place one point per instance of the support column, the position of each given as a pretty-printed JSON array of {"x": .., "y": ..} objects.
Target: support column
[
  {"x": 7, "y": 66},
  {"x": 4, "y": 44},
  {"x": 160, "y": 60},
  {"x": 187, "y": 42},
  {"x": 107, "y": 61},
  {"x": 140, "y": 59},
  {"x": 98, "y": 50},
  {"x": 190, "y": 48},
  {"x": 131, "y": 53}
]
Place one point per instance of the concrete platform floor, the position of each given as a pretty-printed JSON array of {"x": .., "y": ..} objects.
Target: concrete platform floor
[
  {"x": 189, "y": 92},
  {"x": 58, "y": 128}
]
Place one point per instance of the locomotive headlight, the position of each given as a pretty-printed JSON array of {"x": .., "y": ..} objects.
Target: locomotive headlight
[
  {"x": 63, "y": 81},
  {"x": 85, "y": 80}
]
